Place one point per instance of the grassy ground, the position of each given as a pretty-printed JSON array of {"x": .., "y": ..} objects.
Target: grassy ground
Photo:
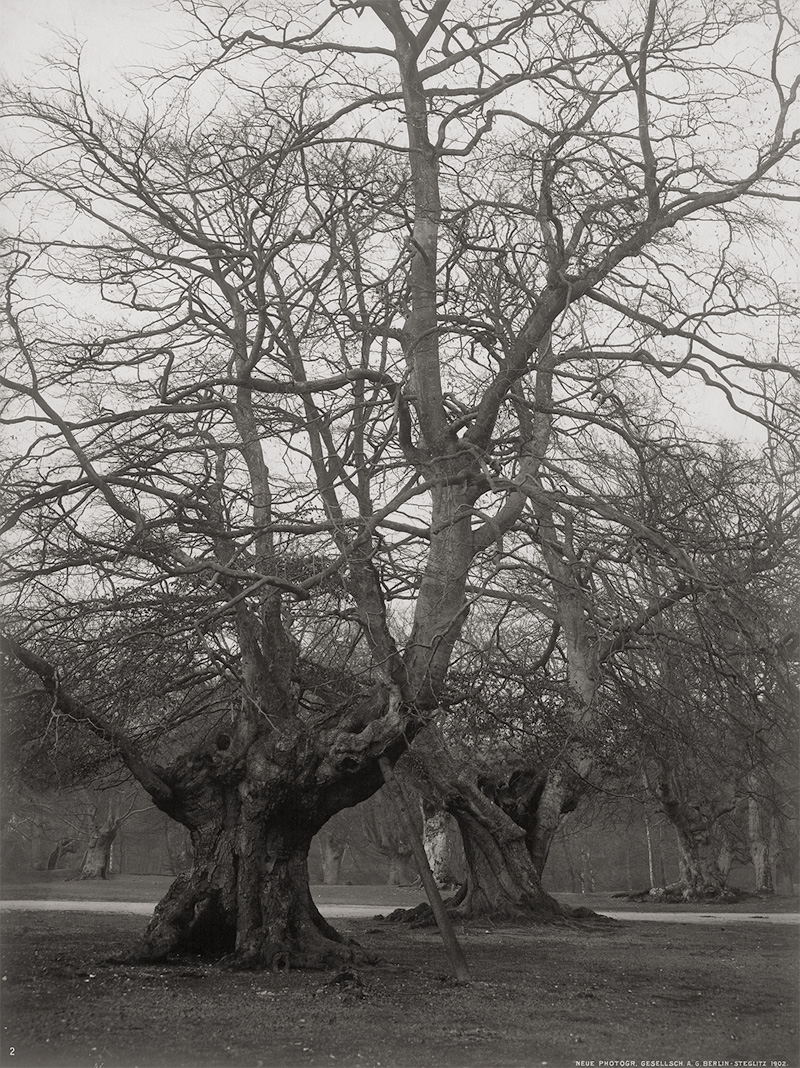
[{"x": 637, "y": 991}]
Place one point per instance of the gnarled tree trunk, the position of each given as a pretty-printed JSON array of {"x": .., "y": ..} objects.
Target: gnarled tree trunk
[
  {"x": 700, "y": 875},
  {"x": 252, "y": 818},
  {"x": 96, "y": 862},
  {"x": 501, "y": 879}
]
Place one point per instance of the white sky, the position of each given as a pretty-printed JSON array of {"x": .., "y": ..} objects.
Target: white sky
[
  {"x": 118, "y": 33},
  {"x": 121, "y": 34}
]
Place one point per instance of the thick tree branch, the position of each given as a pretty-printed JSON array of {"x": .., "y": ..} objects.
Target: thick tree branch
[{"x": 75, "y": 710}]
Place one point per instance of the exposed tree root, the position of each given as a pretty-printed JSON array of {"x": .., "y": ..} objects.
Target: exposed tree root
[
  {"x": 278, "y": 957},
  {"x": 680, "y": 894},
  {"x": 460, "y": 911},
  {"x": 193, "y": 919}
]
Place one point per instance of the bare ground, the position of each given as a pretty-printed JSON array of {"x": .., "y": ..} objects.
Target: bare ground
[{"x": 551, "y": 996}]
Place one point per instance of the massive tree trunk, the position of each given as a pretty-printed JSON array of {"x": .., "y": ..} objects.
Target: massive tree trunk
[
  {"x": 246, "y": 897},
  {"x": 96, "y": 862},
  {"x": 501, "y": 881},
  {"x": 536, "y": 798},
  {"x": 700, "y": 875}
]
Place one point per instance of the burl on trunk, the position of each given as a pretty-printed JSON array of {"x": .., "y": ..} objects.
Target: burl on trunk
[{"x": 252, "y": 818}]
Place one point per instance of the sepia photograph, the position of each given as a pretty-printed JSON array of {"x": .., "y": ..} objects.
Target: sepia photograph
[{"x": 400, "y": 533}]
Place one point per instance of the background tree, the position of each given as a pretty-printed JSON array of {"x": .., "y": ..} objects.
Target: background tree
[
  {"x": 735, "y": 518},
  {"x": 716, "y": 725},
  {"x": 105, "y": 817}
]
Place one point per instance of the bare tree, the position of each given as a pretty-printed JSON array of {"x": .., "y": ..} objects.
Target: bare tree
[
  {"x": 313, "y": 339},
  {"x": 105, "y": 818},
  {"x": 717, "y": 737}
]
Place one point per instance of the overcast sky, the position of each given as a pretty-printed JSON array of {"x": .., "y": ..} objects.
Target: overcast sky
[
  {"x": 117, "y": 33},
  {"x": 120, "y": 34}
]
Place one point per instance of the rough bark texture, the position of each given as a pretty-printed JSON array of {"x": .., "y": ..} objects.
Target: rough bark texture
[
  {"x": 700, "y": 876},
  {"x": 97, "y": 859},
  {"x": 502, "y": 881},
  {"x": 252, "y": 816},
  {"x": 763, "y": 835},
  {"x": 443, "y": 847}
]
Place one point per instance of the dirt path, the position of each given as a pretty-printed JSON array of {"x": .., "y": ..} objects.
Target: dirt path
[{"x": 358, "y": 912}]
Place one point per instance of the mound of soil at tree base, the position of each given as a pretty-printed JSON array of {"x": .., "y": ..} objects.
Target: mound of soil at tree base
[
  {"x": 421, "y": 915},
  {"x": 555, "y": 994},
  {"x": 677, "y": 894}
]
